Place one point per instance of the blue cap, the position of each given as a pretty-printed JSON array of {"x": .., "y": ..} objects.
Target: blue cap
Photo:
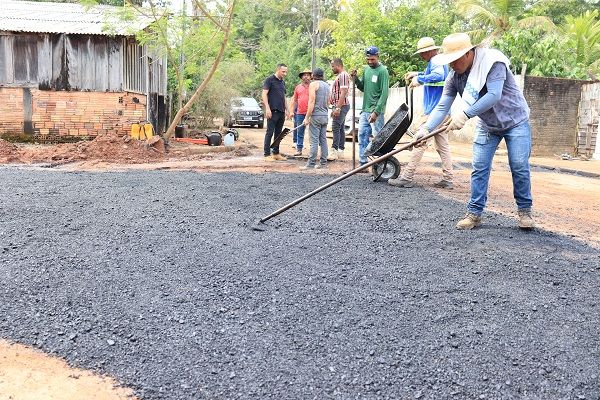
[{"x": 372, "y": 51}]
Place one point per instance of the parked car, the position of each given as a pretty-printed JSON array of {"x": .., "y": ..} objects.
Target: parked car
[{"x": 245, "y": 111}]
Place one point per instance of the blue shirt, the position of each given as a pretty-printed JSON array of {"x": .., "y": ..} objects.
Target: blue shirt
[{"x": 433, "y": 81}]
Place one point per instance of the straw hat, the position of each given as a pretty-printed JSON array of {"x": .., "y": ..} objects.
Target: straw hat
[
  {"x": 425, "y": 44},
  {"x": 454, "y": 47},
  {"x": 306, "y": 71}
]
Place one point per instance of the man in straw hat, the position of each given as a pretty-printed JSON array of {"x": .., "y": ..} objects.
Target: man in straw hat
[
  {"x": 300, "y": 100},
  {"x": 488, "y": 90},
  {"x": 433, "y": 81}
]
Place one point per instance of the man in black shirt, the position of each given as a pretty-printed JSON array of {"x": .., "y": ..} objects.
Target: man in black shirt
[{"x": 273, "y": 97}]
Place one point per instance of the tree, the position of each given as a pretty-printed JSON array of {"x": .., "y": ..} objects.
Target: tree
[
  {"x": 281, "y": 46},
  {"x": 395, "y": 29},
  {"x": 557, "y": 10},
  {"x": 222, "y": 25},
  {"x": 584, "y": 33},
  {"x": 542, "y": 52},
  {"x": 491, "y": 18}
]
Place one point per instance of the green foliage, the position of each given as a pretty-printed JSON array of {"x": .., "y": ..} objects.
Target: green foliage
[
  {"x": 584, "y": 32},
  {"x": 394, "y": 30},
  {"x": 231, "y": 80},
  {"x": 280, "y": 46},
  {"x": 545, "y": 54},
  {"x": 557, "y": 10}
]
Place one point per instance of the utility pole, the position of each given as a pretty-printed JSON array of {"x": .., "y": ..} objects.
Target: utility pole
[{"x": 315, "y": 32}]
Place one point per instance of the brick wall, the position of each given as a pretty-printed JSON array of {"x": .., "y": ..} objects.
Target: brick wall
[
  {"x": 554, "y": 104},
  {"x": 589, "y": 119},
  {"x": 61, "y": 114}
]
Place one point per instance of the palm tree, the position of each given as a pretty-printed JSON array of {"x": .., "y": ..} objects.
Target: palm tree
[
  {"x": 584, "y": 31},
  {"x": 494, "y": 17}
]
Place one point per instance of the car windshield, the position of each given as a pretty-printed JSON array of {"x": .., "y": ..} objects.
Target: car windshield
[{"x": 244, "y": 102}]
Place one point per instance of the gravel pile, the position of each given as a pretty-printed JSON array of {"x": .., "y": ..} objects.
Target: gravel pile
[{"x": 363, "y": 291}]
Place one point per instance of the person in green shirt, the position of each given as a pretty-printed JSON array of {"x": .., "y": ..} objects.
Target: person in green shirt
[{"x": 374, "y": 85}]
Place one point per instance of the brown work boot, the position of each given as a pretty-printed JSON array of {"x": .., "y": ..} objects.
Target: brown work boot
[
  {"x": 470, "y": 221},
  {"x": 270, "y": 158},
  {"x": 279, "y": 157},
  {"x": 401, "y": 182},
  {"x": 525, "y": 219}
]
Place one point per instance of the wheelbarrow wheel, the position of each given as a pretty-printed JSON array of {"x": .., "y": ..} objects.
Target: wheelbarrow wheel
[{"x": 385, "y": 170}]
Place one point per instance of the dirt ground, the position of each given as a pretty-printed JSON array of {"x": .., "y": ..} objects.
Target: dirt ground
[
  {"x": 27, "y": 374},
  {"x": 563, "y": 203}
]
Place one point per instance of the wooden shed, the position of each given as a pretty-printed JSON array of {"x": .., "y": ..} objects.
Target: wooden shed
[{"x": 67, "y": 72}]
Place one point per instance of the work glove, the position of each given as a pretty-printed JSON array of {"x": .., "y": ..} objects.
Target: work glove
[
  {"x": 414, "y": 82},
  {"x": 421, "y": 132},
  {"x": 409, "y": 75},
  {"x": 457, "y": 121}
]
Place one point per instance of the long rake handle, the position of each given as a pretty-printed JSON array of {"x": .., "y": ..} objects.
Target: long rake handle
[{"x": 350, "y": 173}]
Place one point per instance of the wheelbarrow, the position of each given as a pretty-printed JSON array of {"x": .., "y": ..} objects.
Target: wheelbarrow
[{"x": 387, "y": 139}]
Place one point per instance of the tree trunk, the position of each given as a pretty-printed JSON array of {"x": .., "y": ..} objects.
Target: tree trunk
[{"x": 211, "y": 72}]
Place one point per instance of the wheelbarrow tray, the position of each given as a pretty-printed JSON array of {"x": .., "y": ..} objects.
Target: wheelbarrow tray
[{"x": 390, "y": 134}]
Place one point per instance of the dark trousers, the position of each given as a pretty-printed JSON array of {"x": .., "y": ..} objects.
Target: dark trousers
[
  {"x": 337, "y": 128},
  {"x": 274, "y": 128}
]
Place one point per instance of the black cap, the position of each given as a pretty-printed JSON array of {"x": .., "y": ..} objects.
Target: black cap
[{"x": 318, "y": 73}]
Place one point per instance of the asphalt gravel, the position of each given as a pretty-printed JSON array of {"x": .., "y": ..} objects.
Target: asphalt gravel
[{"x": 364, "y": 291}]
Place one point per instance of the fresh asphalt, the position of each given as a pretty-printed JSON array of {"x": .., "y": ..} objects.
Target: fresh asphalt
[{"x": 361, "y": 292}]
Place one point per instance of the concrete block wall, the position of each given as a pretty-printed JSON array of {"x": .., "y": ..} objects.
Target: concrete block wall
[
  {"x": 57, "y": 115},
  {"x": 554, "y": 104},
  {"x": 589, "y": 119}
]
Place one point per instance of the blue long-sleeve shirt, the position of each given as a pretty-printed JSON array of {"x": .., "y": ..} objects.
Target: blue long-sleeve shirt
[{"x": 433, "y": 81}]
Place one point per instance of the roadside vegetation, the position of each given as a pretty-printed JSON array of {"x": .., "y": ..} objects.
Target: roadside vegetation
[{"x": 543, "y": 37}]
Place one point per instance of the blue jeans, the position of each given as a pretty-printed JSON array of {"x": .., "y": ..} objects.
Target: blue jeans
[
  {"x": 299, "y": 133},
  {"x": 518, "y": 143},
  {"x": 337, "y": 128},
  {"x": 365, "y": 131}
]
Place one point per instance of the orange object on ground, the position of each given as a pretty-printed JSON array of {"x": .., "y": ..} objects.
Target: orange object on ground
[{"x": 190, "y": 140}]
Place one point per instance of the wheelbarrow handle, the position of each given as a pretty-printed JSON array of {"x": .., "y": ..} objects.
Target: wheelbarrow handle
[{"x": 350, "y": 173}]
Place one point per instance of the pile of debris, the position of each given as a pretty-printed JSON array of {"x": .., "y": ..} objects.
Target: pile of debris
[{"x": 108, "y": 148}]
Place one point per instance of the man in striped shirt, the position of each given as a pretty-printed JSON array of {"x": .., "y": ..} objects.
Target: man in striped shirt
[{"x": 340, "y": 104}]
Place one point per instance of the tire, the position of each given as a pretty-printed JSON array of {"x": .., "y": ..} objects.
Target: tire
[
  {"x": 261, "y": 125},
  {"x": 386, "y": 170}
]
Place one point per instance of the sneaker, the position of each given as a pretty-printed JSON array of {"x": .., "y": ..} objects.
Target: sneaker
[
  {"x": 332, "y": 155},
  {"x": 401, "y": 182},
  {"x": 470, "y": 221},
  {"x": 270, "y": 158},
  {"x": 294, "y": 146},
  {"x": 298, "y": 153},
  {"x": 306, "y": 167},
  {"x": 340, "y": 154},
  {"x": 321, "y": 166},
  {"x": 444, "y": 184},
  {"x": 279, "y": 157},
  {"x": 525, "y": 219}
]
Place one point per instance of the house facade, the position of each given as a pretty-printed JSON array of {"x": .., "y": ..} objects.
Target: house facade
[{"x": 68, "y": 72}]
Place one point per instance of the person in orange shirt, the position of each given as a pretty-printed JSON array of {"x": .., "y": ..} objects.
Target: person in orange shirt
[{"x": 300, "y": 100}]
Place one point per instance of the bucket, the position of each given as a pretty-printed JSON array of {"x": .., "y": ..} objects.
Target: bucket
[{"x": 180, "y": 131}]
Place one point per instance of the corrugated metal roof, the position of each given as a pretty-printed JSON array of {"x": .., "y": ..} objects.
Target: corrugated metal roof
[{"x": 30, "y": 16}]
